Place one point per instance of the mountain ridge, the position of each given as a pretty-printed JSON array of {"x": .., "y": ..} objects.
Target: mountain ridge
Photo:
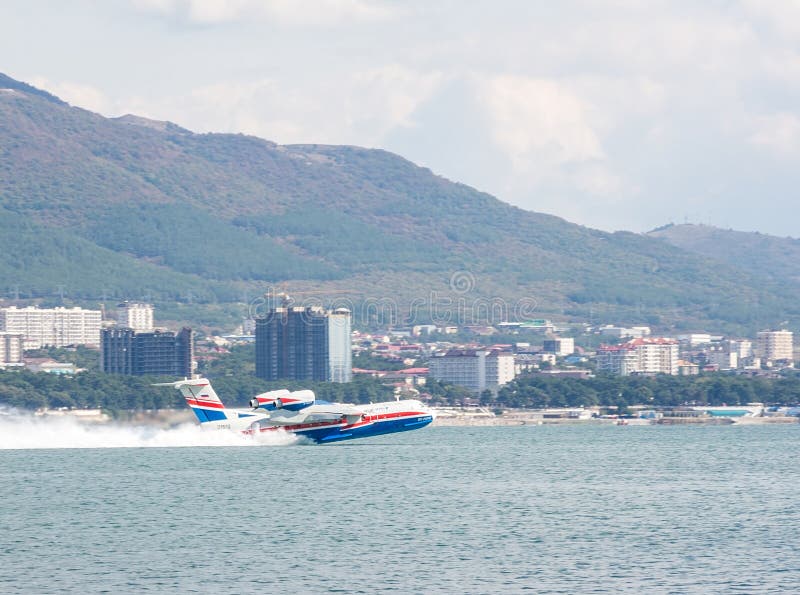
[
  {"x": 766, "y": 256},
  {"x": 232, "y": 213}
]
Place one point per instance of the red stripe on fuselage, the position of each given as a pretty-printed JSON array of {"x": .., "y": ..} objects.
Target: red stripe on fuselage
[
  {"x": 323, "y": 424},
  {"x": 284, "y": 401},
  {"x": 371, "y": 419},
  {"x": 382, "y": 416},
  {"x": 292, "y": 428},
  {"x": 209, "y": 404}
]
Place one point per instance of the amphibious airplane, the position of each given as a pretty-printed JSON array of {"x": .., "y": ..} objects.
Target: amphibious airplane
[{"x": 300, "y": 413}]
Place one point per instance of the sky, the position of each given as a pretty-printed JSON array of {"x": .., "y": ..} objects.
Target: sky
[{"x": 615, "y": 114}]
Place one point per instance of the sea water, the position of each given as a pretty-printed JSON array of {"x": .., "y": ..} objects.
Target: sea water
[{"x": 542, "y": 509}]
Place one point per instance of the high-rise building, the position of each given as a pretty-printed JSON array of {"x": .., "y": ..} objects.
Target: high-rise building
[
  {"x": 640, "y": 356},
  {"x": 54, "y": 327},
  {"x": 116, "y": 350},
  {"x": 500, "y": 369},
  {"x": 298, "y": 343},
  {"x": 340, "y": 353},
  {"x": 159, "y": 353},
  {"x": 620, "y": 360},
  {"x": 136, "y": 316},
  {"x": 474, "y": 369},
  {"x": 11, "y": 345},
  {"x": 776, "y": 345}
]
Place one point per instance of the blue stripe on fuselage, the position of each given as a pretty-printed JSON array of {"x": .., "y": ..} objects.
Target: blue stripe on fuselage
[
  {"x": 206, "y": 415},
  {"x": 201, "y": 414},
  {"x": 374, "y": 429}
]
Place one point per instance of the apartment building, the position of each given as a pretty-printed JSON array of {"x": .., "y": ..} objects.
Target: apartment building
[
  {"x": 640, "y": 356},
  {"x": 136, "y": 316},
  {"x": 54, "y": 327},
  {"x": 11, "y": 347},
  {"x": 158, "y": 353},
  {"x": 776, "y": 345},
  {"x": 559, "y": 346},
  {"x": 743, "y": 348},
  {"x": 474, "y": 369},
  {"x": 297, "y": 343}
]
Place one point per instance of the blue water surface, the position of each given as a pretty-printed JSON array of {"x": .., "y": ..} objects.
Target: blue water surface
[{"x": 545, "y": 509}]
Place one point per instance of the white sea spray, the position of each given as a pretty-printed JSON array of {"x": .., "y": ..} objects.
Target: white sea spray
[{"x": 20, "y": 430}]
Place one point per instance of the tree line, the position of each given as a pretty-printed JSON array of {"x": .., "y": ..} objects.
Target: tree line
[
  {"x": 27, "y": 390},
  {"x": 113, "y": 393},
  {"x": 542, "y": 391}
]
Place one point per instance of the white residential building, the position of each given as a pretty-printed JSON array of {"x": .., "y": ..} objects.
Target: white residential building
[
  {"x": 136, "y": 316},
  {"x": 248, "y": 326},
  {"x": 500, "y": 369},
  {"x": 56, "y": 327},
  {"x": 559, "y": 346},
  {"x": 474, "y": 369},
  {"x": 776, "y": 345},
  {"x": 743, "y": 348},
  {"x": 621, "y": 360},
  {"x": 11, "y": 346},
  {"x": 694, "y": 339},
  {"x": 640, "y": 356},
  {"x": 634, "y": 332}
]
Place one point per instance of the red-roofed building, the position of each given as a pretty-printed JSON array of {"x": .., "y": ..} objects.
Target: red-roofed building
[{"x": 419, "y": 371}]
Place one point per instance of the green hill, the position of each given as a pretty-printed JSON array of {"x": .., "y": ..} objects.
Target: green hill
[
  {"x": 770, "y": 258},
  {"x": 128, "y": 207}
]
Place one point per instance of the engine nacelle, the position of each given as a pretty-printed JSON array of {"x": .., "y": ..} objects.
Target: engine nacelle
[
  {"x": 299, "y": 399},
  {"x": 283, "y": 399},
  {"x": 269, "y": 400}
]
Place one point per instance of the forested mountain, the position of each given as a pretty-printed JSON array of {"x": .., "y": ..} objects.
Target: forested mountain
[
  {"x": 770, "y": 257},
  {"x": 127, "y": 207}
]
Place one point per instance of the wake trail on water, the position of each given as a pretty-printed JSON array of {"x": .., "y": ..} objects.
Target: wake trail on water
[{"x": 25, "y": 431}]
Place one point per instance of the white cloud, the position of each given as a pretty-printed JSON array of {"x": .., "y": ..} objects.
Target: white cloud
[
  {"x": 538, "y": 119},
  {"x": 76, "y": 94},
  {"x": 596, "y": 179},
  {"x": 783, "y": 65},
  {"x": 286, "y": 12},
  {"x": 782, "y": 16},
  {"x": 391, "y": 93},
  {"x": 779, "y": 133},
  {"x": 360, "y": 108}
]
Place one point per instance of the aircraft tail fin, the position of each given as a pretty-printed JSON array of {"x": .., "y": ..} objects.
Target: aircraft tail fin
[{"x": 202, "y": 399}]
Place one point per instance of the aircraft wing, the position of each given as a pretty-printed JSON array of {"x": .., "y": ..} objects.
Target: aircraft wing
[
  {"x": 332, "y": 412},
  {"x": 337, "y": 409}
]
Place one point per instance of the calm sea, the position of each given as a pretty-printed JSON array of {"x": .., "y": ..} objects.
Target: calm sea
[{"x": 578, "y": 509}]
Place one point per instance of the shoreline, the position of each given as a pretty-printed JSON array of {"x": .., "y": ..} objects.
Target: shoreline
[
  {"x": 533, "y": 420},
  {"x": 166, "y": 418}
]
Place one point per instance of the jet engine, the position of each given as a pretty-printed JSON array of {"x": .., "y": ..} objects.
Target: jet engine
[
  {"x": 283, "y": 399},
  {"x": 299, "y": 399},
  {"x": 269, "y": 400}
]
